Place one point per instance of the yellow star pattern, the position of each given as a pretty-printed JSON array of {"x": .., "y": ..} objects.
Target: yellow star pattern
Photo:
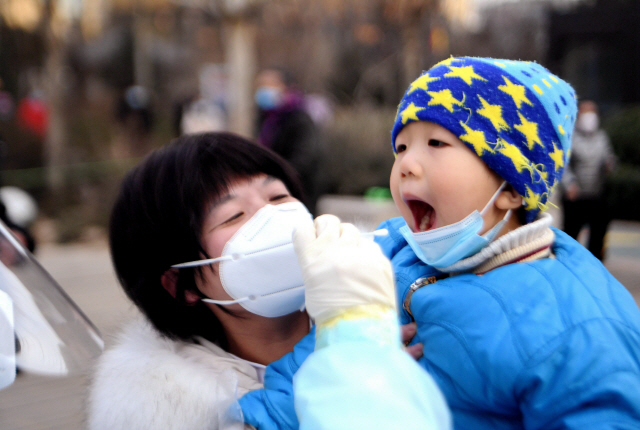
[
  {"x": 539, "y": 169},
  {"x": 530, "y": 131},
  {"x": 532, "y": 200},
  {"x": 444, "y": 98},
  {"x": 467, "y": 74},
  {"x": 410, "y": 113},
  {"x": 475, "y": 138},
  {"x": 447, "y": 62},
  {"x": 557, "y": 156},
  {"x": 517, "y": 92},
  {"x": 421, "y": 83},
  {"x": 494, "y": 114},
  {"x": 520, "y": 162}
]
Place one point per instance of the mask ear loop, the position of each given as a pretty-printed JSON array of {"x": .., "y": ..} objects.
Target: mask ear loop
[
  {"x": 230, "y": 302},
  {"x": 197, "y": 263},
  {"x": 493, "y": 199},
  {"x": 506, "y": 217}
]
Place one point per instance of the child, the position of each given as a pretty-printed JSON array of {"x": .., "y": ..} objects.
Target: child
[{"x": 522, "y": 327}]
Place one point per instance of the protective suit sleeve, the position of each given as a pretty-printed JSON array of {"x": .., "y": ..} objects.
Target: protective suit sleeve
[{"x": 353, "y": 380}]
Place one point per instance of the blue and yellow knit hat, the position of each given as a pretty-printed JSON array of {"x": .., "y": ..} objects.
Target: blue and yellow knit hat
[{"x": 516, "y": 116}]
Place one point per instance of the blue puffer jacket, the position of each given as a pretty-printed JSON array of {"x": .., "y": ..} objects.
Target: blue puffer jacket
[{"x": 550, "y": 344}]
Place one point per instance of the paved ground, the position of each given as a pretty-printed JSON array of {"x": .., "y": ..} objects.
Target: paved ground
[{"x": 84, "y": 271}]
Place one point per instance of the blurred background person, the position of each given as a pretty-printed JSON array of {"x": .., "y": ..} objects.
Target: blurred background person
[
  {"x": 285, "y": 127},
  {"x": 18, "y": 209},
  {"x": 135, "y": 117},
  {"x": 32, "y": 114},
  {"x": 208, "y": 110},
  {"x": 591, "y": 160}
]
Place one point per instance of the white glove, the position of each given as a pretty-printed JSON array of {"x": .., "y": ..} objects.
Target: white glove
[{"x": 341, "y": 269}]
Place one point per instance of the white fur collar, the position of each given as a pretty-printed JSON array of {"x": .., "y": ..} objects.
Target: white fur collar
[{"x": 149, "y": 381}]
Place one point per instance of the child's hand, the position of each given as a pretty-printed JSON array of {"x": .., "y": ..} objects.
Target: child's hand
[{"x": 407, "y": 332}]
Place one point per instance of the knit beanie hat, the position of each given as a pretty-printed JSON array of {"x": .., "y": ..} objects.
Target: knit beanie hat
[{"x": 515, "y": 115}]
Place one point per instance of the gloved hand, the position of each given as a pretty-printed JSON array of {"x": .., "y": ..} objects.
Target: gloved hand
[
  {"x": 271, "y": 408},
  {"x": 341, "y": 269}
]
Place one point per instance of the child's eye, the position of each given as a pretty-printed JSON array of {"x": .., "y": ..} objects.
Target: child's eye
[
  {"x": 436, "y": 143},
  {"x": 401, "y": 148},
  {"x": 278, "y": 197}
]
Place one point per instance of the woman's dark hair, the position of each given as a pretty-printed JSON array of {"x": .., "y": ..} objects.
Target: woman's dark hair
[{"x": 157, "y": 222}]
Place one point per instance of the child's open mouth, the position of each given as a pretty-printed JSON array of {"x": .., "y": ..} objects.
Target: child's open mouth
[{"x": 423, "y": 215}]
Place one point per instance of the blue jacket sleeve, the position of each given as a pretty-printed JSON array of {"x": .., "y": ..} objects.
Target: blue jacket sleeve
[
  {"x": 576, "y": 382},
  {"x": 272, "y": 408}
]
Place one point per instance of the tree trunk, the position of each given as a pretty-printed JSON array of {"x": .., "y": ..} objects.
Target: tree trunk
[
  {"x": 56, "y": 139},
  {"x": 240, "y": 54}
]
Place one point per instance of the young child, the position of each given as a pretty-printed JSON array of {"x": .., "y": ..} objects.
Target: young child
[{"x": 522, "y": 327}]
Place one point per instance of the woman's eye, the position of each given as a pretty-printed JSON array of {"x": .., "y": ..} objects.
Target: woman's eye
[
  {"x": 234, "y": 217},
  {"x": 401, "y": 148},
  {"x": 436, "y": 143},
  {"x": 278, "y": 197}
]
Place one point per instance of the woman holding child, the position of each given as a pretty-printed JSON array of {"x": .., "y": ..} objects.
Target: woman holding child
[
  {"x": 184, "y": 363},
  {"x": 201, "y": 241}
]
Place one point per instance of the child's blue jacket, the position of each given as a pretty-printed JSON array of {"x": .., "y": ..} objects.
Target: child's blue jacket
[{"x": 549, "y": 344}]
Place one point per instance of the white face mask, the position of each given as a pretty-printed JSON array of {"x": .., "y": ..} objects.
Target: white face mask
[
  {"x": 258, "y": 266},
  {"x": 588, "y": 122}
]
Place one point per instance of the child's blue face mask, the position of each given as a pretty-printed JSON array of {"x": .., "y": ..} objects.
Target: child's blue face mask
[{"x": 445, "y": 246}]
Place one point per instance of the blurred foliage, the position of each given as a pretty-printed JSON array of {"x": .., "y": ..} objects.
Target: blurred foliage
[
  {"x": 624, "y": 130},
  {"x": 623, "y": 187},
  {"x": 90, "y": 186},
  {"x": 358, "y": 152},
  {"x": 623, "y": 193}
]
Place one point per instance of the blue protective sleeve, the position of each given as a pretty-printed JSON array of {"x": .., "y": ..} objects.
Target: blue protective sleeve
[{"x": 354, "y": 380}]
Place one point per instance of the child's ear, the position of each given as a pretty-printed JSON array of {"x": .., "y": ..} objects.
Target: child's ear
[
  {"x": 169, "y": 280},
  {"x": 508, "y": 199}
]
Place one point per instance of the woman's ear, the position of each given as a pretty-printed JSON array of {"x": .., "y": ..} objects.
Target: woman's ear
[
  {"x": 169, "y": 281},
  {"x": 508, "y": 199}
]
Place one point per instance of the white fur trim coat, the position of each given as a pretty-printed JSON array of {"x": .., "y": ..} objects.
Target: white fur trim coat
[{"x": 146, "y": 381}]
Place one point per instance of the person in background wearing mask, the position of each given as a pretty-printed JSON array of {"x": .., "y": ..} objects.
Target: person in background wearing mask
[
  {"x": 592, "y": 159},
  {"x": 286, "y": 128}
]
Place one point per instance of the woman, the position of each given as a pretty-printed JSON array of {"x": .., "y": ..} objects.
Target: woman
[{"x": 188, "y": 360}]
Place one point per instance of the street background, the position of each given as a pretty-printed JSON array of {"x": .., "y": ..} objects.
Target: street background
[{"x": 89, "y": 87}]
